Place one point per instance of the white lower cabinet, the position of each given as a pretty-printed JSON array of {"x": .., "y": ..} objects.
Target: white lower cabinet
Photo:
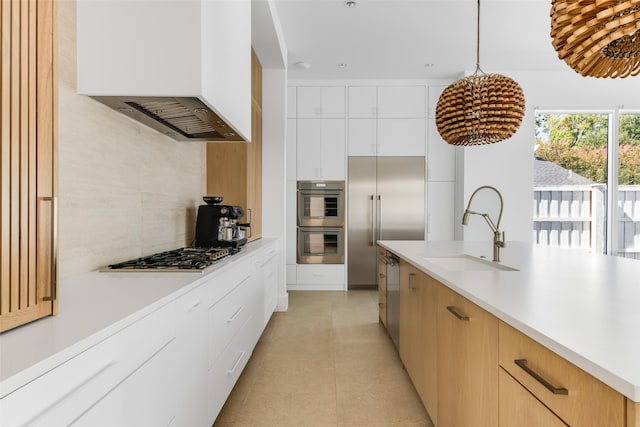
[
  {"x": 319, "y": 277},
  {"x": 174, "y": 367},
  {"x": 108, "y": 371},
  {"x": 144, "y": 399}
]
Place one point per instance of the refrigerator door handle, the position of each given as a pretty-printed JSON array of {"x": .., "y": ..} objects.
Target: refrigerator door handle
[
  {"x": 379, "y": 217},
  {"x": 373, "y": 221}
]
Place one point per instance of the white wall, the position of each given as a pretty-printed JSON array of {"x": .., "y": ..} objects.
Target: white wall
[
  {"x": 508, "y": 165},
  {"x": 124, "y": 190},
  {"x": 274, "y": 96}
]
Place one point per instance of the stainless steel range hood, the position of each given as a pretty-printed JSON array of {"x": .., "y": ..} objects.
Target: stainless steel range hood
[{"x": 183, "y": 119}]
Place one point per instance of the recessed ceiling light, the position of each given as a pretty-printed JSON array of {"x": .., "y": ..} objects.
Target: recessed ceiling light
[
  {"x": 302, "y": 65},
  {"x": 350, "y": 3},
  {"x": 428, "y": 65},
  {"x": 342, "y": 65}
]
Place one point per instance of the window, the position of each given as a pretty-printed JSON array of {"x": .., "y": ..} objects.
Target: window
[{"x": 586, "y": 171}]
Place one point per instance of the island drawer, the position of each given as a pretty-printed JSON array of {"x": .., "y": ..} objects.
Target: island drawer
[{"x": 575, "y": 396}]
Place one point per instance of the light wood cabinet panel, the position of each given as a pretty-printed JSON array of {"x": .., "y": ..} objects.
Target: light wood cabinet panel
[
  {"x": 587, "y": 401},
  {"x": 427, "y": 353},
  {"x": 418, "y": 333},
  {"x": 234, "y": 170},
  {"x": 27, "y": 159},
  {"x": 520, "y": 408},
  {"x": 467, "y": 363}
]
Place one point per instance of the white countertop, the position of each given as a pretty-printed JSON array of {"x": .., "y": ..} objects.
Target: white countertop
[
  {"x": 582, "y": 306},
  {"x": 92, "y": 307}
]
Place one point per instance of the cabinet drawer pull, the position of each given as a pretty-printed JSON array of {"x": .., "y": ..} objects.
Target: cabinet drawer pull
[
  {"x": 234, "y": 315},
  {"x": 381, "y": 305},
  {"x": 235, "y": 365},
  {"x": 381, "y": 275},
  {"x": 412, "y": 278},
  {"x": 194, "y": 305},
  {"x": 86, "y": 378},
  {"x": 453, "y": 311},
  {"x": 522, "y": 363}
]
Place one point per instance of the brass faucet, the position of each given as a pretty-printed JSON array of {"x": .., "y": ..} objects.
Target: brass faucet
[{"x": 498, "y": 236}]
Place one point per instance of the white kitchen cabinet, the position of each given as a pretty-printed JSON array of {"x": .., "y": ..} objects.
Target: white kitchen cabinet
[
  {"x": 235, "y": 324},
  {"x": 326, "y": 277},
  {"x": 320, "y": 102},
  {"x": 292, "y": 104},
  {"x": 191, "y": 323},
  {"x": 362, "y": 137},
  {"x": 441, "y": 215},
  {"x": 145, "y": 399},
  {"x": 291, "y": 148},
  {"x": 401, "y": 137},
  {"x": 401, "y": 102},
  {"x": 363, "y": 102},
  {"x": 387, "y": 137},
  {"x": 441, "y": 157},
  {"x": 269, "y": 272},
  {"x": 65, "y": 393},
  {"x": 321, "y": 149},
  {"x": 387, "y": 121}
]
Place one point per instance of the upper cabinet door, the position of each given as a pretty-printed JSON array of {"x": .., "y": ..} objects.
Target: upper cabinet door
[
  {"x": 321, "y": 149},
  {"x": 362, "y": 137},
  {"x": 321, "y": 102},
  {"x": 401, "y": 137},
  {"x": 363, "y": 102},
  {"x": 402, "y": 101}
]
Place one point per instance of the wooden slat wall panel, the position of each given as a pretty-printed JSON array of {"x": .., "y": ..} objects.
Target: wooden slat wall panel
[
  {"x": 26, "y": 160},
  {"x": 5, "y": 31}
]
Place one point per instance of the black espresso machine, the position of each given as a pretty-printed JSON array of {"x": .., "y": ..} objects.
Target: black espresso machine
[{"x": 217, "y": 225}]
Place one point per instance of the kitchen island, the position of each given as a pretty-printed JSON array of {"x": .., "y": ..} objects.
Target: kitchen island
[
  {"x": 583, "y": 307},
  {"x": 122, "y": 336}
]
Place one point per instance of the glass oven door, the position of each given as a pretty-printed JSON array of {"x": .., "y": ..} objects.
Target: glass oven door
[
  {"x": 320, "y": 204},
  {"x": 320, "y": 245}
]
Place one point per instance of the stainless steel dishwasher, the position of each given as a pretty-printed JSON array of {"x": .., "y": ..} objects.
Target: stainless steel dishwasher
[{"x": 393, "y": 297}]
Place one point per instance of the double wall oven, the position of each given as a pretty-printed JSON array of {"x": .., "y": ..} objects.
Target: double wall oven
[{"x": 320, "y": 222}]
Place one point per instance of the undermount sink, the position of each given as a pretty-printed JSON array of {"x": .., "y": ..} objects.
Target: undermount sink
[{"x": 464, "y": 262}]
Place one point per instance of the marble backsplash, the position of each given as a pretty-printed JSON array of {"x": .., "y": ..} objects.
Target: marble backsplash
[{"x": 124, "y": 190}]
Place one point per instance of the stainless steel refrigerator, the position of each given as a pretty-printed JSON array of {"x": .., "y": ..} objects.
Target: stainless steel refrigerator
[{"x": 385, "y": 202}]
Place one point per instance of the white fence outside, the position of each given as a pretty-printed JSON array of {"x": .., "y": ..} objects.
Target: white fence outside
[{"x": 574, "y": 217}]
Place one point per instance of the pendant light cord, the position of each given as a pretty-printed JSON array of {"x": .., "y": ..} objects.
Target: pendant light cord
[{"x": 478, "y": 43}]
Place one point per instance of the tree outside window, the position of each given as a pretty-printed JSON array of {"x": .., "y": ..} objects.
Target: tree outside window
[{"x": 573, "y": 167}]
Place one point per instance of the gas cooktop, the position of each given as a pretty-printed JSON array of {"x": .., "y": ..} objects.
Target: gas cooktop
[{"x": 189, "y": 259}]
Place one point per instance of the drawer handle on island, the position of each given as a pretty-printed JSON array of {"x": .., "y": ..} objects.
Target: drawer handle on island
[
  {"x": 522, "y": 363},
  {"x": 381, "y": 275},
  {"x": 459, "y": 316},
  {"x": 234, "y": 315},
  {"x": 235, "y": 365},
  {"x": 381, "y": 305}
]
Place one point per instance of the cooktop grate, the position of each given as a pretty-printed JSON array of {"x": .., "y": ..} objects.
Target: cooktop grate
[{"x": 183, "y": 259}]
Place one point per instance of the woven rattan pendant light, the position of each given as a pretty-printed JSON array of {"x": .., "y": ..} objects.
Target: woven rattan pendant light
[
  {"x": 597, "y": 38},
  {"x": 481, "y": 108}
]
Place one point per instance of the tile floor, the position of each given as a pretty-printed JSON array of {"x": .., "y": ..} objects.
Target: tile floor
[{"x": 325, "y": 362}]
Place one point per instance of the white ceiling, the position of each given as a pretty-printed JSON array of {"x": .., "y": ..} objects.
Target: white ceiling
[{"x": 395, "y": 39}]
